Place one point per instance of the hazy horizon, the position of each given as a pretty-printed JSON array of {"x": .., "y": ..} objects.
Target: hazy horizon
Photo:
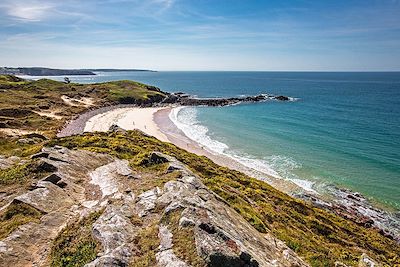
[{"x": 178, "y": 35}]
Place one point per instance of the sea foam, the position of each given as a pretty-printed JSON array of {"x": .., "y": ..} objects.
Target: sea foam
[{"x": 185, "y": 119}]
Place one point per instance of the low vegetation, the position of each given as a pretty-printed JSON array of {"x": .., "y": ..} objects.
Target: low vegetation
[
  {"x": 17, "y": 214},
  {"x": 21, "y": 173},
  {"x": 183, "y": 239},
  {"x": 147, "y": 242},
  {"x": 318, "y": 236},
  {"x": 75, "y": 246},
  {"x": 39, "y": 106}
]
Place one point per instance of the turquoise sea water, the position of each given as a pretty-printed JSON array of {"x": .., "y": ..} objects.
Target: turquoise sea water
[{"x": 344, "y": 129}]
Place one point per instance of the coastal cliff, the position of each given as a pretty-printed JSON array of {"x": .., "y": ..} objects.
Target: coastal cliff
[{"x": 123, "y": 198}]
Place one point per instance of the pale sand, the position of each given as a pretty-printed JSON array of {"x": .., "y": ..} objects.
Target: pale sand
[
  {"x": 156, "y": 122},
  {"x": 127, "y": 118},
  {"x": 51, "y": 114},
  {"x": 84, "y": 101}
]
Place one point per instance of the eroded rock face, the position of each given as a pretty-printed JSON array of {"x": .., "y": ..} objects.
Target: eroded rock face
[
  {"x": 165, "y": 255},
  {"x": 83, "y": 182},
  {"x": 29, "y": 244},
  {"x": 115, "y": 232},
  {"x": 222, "y": 237},
  {"x": 7, "y": 162}
]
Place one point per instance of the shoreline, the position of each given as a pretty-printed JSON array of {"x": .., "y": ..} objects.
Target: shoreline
[
  {"x": 178, "y": 138},
  {"x": 155, "y": 121},
  {"x": 341, "y": 201}
]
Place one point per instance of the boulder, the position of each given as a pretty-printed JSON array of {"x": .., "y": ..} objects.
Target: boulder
[{"x": 366, "y": 261}]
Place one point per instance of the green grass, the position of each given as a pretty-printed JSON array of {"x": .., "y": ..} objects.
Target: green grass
[
  {"x": 75, "y": 245},
  {"x": 45, "y": 95},
  {"x": 21, "y": 173},
  {"x": 17, "y": 214},
  {"x": 11, "y": 147},
  {"x": 10, "y": 80},
  {"x": 183, "y": 239},
  {"x": 147, "y": 242},
  {"x": 318, "y": 236}
]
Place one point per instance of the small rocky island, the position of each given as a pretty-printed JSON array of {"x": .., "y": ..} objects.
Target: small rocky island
[{"x": 187, "y": 100}]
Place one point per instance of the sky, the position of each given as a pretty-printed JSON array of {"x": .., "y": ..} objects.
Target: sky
[{"x": 248, "y": 35}]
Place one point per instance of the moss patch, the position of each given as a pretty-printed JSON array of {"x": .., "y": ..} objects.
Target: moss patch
[
  {"x": 17, "y": 214},
  {"x": 10, "y": 146},
  {"x": 183, "y": 240},
  {"x": 22, "y": 174},
  {"x": 75, "y": 246},
  {"x": 147, "y": 242}
]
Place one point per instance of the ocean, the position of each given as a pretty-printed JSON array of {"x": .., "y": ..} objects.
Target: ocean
[{"x": 343, "y": 128}]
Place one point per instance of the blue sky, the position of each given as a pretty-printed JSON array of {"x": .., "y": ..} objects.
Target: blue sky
[{"x": 202, "y": 35}]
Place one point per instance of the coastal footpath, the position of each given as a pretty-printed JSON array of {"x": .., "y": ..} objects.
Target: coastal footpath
[{"x": 125, "y": 198}]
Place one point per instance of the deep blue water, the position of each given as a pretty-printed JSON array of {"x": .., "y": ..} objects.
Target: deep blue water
[{"x": 344, "y": 129}]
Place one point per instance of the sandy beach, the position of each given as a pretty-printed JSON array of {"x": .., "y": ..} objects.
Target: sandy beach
[
  {"x": 155, "y": 121},
  {"x": 178, "y": 138},
  {"x": 129, "y": 118}
]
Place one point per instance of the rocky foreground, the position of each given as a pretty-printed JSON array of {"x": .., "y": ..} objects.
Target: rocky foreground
[{"x": 184, "y": 210}]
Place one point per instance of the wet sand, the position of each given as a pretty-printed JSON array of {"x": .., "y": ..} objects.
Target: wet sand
[{"x": 178, "y": 138}]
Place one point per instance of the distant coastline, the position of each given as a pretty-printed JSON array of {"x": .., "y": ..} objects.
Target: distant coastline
[{"x": 39, "y": 71}]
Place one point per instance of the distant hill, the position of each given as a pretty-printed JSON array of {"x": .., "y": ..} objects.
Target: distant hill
[
  {"x": 112, "y": 70},
  {"x": 38, "y": 71}
]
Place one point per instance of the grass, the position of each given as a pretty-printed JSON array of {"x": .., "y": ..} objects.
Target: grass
[
  {"x": 318, "y": 236},
  {"x": 10, "y": 80},
  {"x": 15, "y": 215},
  {"x": 11, "y": 147},
  {"x": 147, "y": 242},
  {"x": 75, "y": 245},
  {"x": 20, "y": 99},
  {"x": 183, "y": 239},
  {"x": 21, "y": 174}
]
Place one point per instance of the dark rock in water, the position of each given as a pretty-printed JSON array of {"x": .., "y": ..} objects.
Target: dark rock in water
[
  {"x": 186, "y": 100},
  {"x": 282, "y": 98}
]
